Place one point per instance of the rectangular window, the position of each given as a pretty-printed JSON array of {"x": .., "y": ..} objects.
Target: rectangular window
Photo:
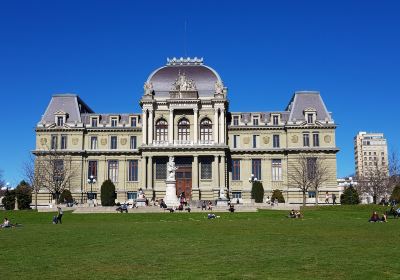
[
  {"x": 311, "y": 194},
  {"x": 59, "y": 172},
  {"x": 133, "y": 171},
  {"x": 275, "y": 120},
  {"x": 113, "y": 143},
  {"x": 236, "y": 169},
  {"x": 60, "y": 121},
  {"x": 133, "y": 142},
  {"x": 276, "y": 142},
  {"x": 256, "y": 168},
  {"x": 255, "y": 141},
  {"x": 255, "y": 121},
  {"x": 113, "y": 170},
  {"x": 311, "y": 168},
  {"x": 206, "y": 168},
  {"x": 235, "y": 120},
  {"x": 94, "y": 122},
  {"x": 315, "y": 139},
  {"x": 306, "y": 140},
  {"x": 236, "y": 195},
  {"x": 310, "y": 118},
  {"x": 93, "y": 143},
  {"x": 54, "y": 140},
  {"x": 236, "y": 141},
  {"x": 63, "y": 142},
  {"x": 131, "y": 195},
  {"x": 161, "y": 168},
  {"x": 276, "y": 170},
  {"x": 114, "y": 122},
  {"x": 92, "y": 168},
  {"x": 133, "y": 122}
]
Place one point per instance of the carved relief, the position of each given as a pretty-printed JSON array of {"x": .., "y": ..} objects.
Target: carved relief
[
  {"x": 123, "y": 141},
  {"x": 103, "y": 141},
  {"x": 266, "y": 140},
  {"x": 295, "y": 139},
  {"x": 75, "y": 141},
  {"x": 246, "y": 140},
  {"x": 327, "y": 139},
  {"x": 43, "y": 141}
]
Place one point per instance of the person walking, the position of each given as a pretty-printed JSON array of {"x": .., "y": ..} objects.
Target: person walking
[
  {"x": 59, "y": 214},
  {"x": 326, "y": 198},
  {"x": 334, "y": 199}
]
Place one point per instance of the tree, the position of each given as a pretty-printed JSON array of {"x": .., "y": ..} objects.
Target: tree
[
  {"x": 51, "y": 170},
  {"x": 257, "y": 192},
  {"x": 2, "y": 182},
  {"x": 277, "y": 194},
  {"x": 394, "y": 170},
  {"x": 32, "y": 177},
  {"x": 23, "y": 192},
  {"x": 309, "y": 173},
  {"x": 108, "y": 193},
  {"x": 350, "y": 196},
  {"x": 396, "y": 194},
  {"x": 375, "y": 181},
  {"x": 66, "y": 196},
  {"x": 9, "y": 200}
]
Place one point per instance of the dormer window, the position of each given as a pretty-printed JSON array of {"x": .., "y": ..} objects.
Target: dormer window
[
  {"x": 235, "y": 120},
  {"x": 310, "y": 118},
  {"x": 256, "y": 120},
  {"x": 275, "y": 120},
  {"x": 114, "y": 121},
  {"x": 60, "y": 121},
  {"x": 133, "y": 121},
  {"x": 310, "y": 115},
  {"x": 94, "y": 122}
]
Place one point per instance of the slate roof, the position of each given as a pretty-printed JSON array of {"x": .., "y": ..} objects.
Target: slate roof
[
  {"x": 203, "y": 76},
  {"x": 68, "y": 103},
  {"x": 303, "y": 100}
]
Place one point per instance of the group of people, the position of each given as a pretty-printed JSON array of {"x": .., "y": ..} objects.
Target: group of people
[
  {"x": 375, "y": 218},
  {"x": 206, "y": 206},
  {"x": 295, "y": 214},
  {"x": 327, "y": 196}
]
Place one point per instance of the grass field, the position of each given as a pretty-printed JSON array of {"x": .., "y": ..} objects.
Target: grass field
[{"x": 329, "y": 243}]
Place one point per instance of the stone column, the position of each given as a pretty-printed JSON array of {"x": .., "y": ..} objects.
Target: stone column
[
  {"x": 171, "y": 126},
  {"x": 196, "y": 126},
  {"x": 216, "y": 172},
  {"x": 216, "y": 126},
  {"x": 150, "y": 173},
  {"x": 195, "y": 172},
  {"x": 222, "y": 127},
  {"x": 144, "y": 126},
  {"x": 143, "y": 172},
  {"x": 150, "y": 127},
  {"x": 222, "y": 173}
]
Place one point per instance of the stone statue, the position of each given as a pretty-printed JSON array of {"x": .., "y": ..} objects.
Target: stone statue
[
  {"x": 171, "y": 168},
  {"x": 141, "y": 194},
  {"x": 222, "y": 193},
  {"x": 219, "y": 87},
  {"x": 183, "y": 83},
  {"x": 148, "y": 88}
]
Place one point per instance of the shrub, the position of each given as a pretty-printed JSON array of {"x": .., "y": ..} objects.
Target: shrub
[
  {"x": 66, "y": 197},
  {"x": 277, "y": 194},
  {"x": 23, "y": 193},
  {"x": 257, "y": 192},
  {"x": 396, "y": 194},
  {"x": 350, "y": 196},
  {"x": 108, "y": 193},
  {"x": 9, "y": 200}
]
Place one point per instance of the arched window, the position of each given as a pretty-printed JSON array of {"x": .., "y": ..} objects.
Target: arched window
[
  {"x": 183, "y": 130},
  {"x": 206, "y": 130},
  {"x": 162, "y": 130}
]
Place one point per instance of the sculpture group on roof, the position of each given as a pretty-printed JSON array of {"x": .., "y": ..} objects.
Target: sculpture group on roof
[{"x": 183, "y": 83}]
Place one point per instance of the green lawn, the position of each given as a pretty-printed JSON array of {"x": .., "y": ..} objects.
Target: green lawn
[{"x": 329, "y": 243}]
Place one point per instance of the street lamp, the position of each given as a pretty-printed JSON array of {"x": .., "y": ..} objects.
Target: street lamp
[
  {"x": 252, "y": 179},
  {"x": 91, "y": 180}
]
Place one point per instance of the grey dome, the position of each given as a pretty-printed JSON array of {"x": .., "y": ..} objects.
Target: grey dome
[{"x": 203, "y": 76}]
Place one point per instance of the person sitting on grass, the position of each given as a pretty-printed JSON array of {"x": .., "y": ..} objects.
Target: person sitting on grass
[
  {"x": 374, "y": 218},
  {"x": 298, "y": 215},
  {"x": 384, "y": 218},
  {"x": 292, "y": 214},
  {"x": 6, "y": 223}
]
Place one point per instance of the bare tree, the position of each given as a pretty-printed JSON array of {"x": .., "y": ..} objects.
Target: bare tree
[
  {"x": 394, "y": 170},
  {"x": 319, "y": 175},
  {"x": 299, "y": 175},
  {"x": 32, "y": 177},
  {"x": 51, "y": 170},
  {"x": 374, "y": 181},
  {"x": 2, "y": 182}
]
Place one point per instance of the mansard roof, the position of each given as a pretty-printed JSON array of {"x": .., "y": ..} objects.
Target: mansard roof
[
  {"x": 204, "y": 77},
  {"x": 70, "y": 104},
  {"x": 307, "y": 100}
]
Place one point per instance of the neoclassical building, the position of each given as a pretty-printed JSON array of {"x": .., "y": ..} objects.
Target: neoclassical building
[{"x": 185, "y": 114}]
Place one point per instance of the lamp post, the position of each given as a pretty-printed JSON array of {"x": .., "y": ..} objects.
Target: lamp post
[{"x": 91, "y": 180}]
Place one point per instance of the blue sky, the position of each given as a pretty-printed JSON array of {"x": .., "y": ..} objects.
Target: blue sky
[{"x": 263, "y": 50}]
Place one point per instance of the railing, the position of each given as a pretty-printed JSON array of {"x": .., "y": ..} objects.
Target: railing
[
  {"x": 183, "y": 94},
  {"x": 163, "y": 143}
]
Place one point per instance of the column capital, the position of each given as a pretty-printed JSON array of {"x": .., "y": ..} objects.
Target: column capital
[
  {"x": 195, "y": 110},
  {"x": 144, "y": 110}
]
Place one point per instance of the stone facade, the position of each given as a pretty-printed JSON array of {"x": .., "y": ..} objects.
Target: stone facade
[{"x": 185, "y": 114}]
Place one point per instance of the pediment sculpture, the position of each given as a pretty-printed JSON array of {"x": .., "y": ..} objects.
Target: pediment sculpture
[{"x": 183, "y": 83}]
